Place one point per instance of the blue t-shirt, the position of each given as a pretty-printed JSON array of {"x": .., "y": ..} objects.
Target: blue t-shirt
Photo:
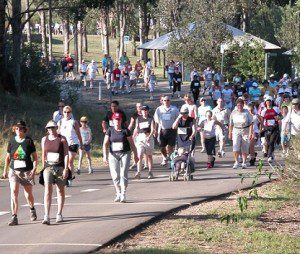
[
  {"x": 255, "y": 93},
  {"x": 273, "y": 84},
  {"x": 248, "y": 84},
  {"x": 104, "y": 62}
]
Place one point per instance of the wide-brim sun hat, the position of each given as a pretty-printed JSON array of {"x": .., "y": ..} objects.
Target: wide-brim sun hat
[{"x": 51, "y": 124}]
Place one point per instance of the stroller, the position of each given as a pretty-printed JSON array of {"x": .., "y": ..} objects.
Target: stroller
[{"x": 182, "y": 163}]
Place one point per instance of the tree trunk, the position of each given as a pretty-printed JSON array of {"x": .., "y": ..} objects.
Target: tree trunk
[
  {"x": 43, "y": 32},
  {"x": 85, "y": 40},
  {"x": 28, "y": 31},
  {"x": 76, "y": 44},
  {"x": 104, "y": 29},
  {"x": 133, "y": 46},
  {"x": 141, "y": 31},
  {"x": 144, "y": 26},
  {"x": 50, "y": 31},
  {"x": 2, "y": 34},
  {"x": 66, "y": 25},
  {"x": 80, "y": 39},
  {"x": 16, "y": 47}
]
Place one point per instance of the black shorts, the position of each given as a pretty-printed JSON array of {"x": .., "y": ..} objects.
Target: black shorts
[
  {"x": 210, "y": 145},
  {"x": 73, "y": 148},
  {"x": 167, "y": 137}
]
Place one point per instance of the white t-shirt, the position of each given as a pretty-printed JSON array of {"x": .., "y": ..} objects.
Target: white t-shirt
[
  {"x": 208, "y": 75},
  {"x": 202, "y": 112},
  {"x": 67, "y": 129},
  {"x": 83, "y": 67},
  {"x": 295, "y": 122},
  {"x": 222, "y": 115},
  {"x": 132, "y": 75},
  {"x": 209, "y": 128},
  {"x": 285, "y": 124},
  {"x": 227, "y": 95},
  {"x": 92, "y": 68}
]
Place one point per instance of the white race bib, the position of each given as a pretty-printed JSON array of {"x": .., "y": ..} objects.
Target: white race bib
[
  {"x": 271, "y": 122},
  {"x": 240, "y": 93},
  {"x": 111, "y": 123},
  {"x": 117, "y": 75},
  {"x": 182, "y": 130},
  {"x": 179, "y": 80},
  {"x": 52, "y": 157},
  {"x": 196, "y": 84},
  {"x": 267, "y": 92},
  {"x": 166, "y": 117},
  {"x": 19, "y": 164},
  {"x": 144, "y": 125},
  {"x": 117, "y": 146}
]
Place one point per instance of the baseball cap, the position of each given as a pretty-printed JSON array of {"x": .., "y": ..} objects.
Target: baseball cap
[
  {"x": 51, "y": 124},
  {"x": 145, "y": 107},
  {"x": 284, "y": 83},
  {"x": 202, "y": 99},
  {"x": 116, "y": 116},
  {"x": 184, "y": 110},
  {"x": 268, "y": 98},
  {"x": 296, "y": 101},
  {"x": 255, "y": 84}
]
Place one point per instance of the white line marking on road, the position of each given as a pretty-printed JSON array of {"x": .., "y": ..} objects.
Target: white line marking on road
[
  {"x": 128, "y": 203},
  {"x": 3, "y": 213},
  {"x": 34, "y": 204},
  {"x": 89, "y": 190},
  {"x": 67, "y": 196},
  {"x": 55, "y": 244}
]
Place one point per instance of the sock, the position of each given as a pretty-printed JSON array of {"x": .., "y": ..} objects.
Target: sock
[{"x": 32, "y": 208}]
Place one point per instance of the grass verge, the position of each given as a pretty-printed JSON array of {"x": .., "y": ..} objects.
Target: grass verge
[{"x": 270, "y": 225}]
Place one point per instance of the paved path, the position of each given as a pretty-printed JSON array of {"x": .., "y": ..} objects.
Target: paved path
[{"x": 93, "y": 219}]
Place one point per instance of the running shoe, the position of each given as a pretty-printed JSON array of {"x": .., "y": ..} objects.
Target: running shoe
[
  {"x": 202, "y": 150},
  {"x": 223, "y": 153},
  {"x": 235, "y": 165},
  {"x": 209, "y": 165},
  {"x": 46, "y": 220},
  {"x": 150, "y": 175},
  {"x": 164, "y": 162},
  {"x": 270, "y": 159},
  {"x": 69, "y": 183},
  {"x": 59, "y": 218},
  {"x": 78, "y": 171},
  {"x": 220, "y": 154},
  {"x": 118, "y": 197},
  {"x": 13, "y": 221},
  {"x": 244, "y": 165},
  {"x": 145, "y": 167},
  {"x": 91, "y": 171},
  {"x": 33, "y": 215},
  {"x": 137, "y": 175},
  {"x": 132, "y": 166},
  {"x": 123, "y": 198}
]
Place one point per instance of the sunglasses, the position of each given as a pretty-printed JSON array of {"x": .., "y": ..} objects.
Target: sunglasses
[
  {"x": 67, "y": 112},
  {"x": 60, "y": 106},
  {"x": 166, "y": 100},
  {"x": 83, "y": 121},
  {"x": 51, "y": 128},
  {"x": 20, "y": 128}
]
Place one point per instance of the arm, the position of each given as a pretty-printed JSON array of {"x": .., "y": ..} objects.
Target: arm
[
  {"x": 133, "y": 148},
  {"x": 131, "y": 124},
  {"x": 105, "y": 148},
  {"x": 66, "y": 158},
  {"x": 104, "y": 126},
  {"x": 135, "y": 132},
  {"x": 193, "y": 130},
  {"x": 35, "y": 161},
  {"x": 77, "y": 130},
  {"x": 175, "y": 124},
  {"x": 230, "y": 131},
  {"x": 6, "y": 166},
  {"x": 43, "y": 152}
]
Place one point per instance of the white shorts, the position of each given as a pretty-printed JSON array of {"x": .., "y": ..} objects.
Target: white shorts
[
  {"x": 240, "y": 141},
  {"x": 92, "y": 75},
  {"x": 142, "y": 146},
  {"x": 219, "y": 133},
  {"x": 151, "y": 87},
  {"x": 208, "y": 83}
]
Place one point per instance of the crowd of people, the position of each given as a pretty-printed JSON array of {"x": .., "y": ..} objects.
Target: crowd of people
[{"x": 254, "y": 116}]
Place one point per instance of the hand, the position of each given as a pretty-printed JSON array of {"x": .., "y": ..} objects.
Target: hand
[
  {"x": 251, "y": 136},
  {"x": 5, "y": 174},
  {"x": 31, "y": 174},
  {"x": 65, "y": 173},
  {"x": 105, "y": 160},
  {"x": 155, "y": 134},
  {"x": 136, "y": 158}
]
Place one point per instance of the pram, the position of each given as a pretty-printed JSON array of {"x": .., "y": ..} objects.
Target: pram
[{"x": 182, "y": 164}]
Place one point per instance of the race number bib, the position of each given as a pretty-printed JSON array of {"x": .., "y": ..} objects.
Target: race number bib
[
  {"x": 196, "y": 84},
  {"x": 166, "y": 117},
  {"x": 144, "y": 125},
  {"x": 240, "y": 93},
  {"x": 179, "y": 80},
  {"x": 111, "y": 123},
  {"x": 19, "y": 164},
  {"x": 53, "y": 157},
  {"x": 117, "y": 146},
  {"x": 182, "y": 130},
  {"x": 117, "y": 75},
  {"x": 271, "y": 122}
]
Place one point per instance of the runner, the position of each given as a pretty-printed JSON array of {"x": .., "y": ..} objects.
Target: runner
[
  {"x": 92, "y": 69},
  {"x": 55, "y": 160},
  {"x": 203, "y": 108},
  {"x": 222, "y": 115},
  {"x": 273, "y": 82},
  {"x": 195, "y": 88},
  {"x": 86, "y": 135},
  {"x": 82, "y": 72},
  {"x": 215, "y": 92},
  {"x": 116, "y": 79},
  {"x": 70, "y": 66},
  {"x": 295, "y": 118},
  {"x": 144, "y": 130},
  {"x": 108, "y": 72},
  {"x": 239, "y": 90},
  {"x": 255, "y": 93},
  {"x": 249, "y": 82},
  {"x": 152, "y": 84},
  {"x": 108, "y": 121},
  {"x": 58, "y": 115},
  {"x": 170, "y": 68},
  {"x": 218, "y": 76},
  {"x": 270, "y": 116},
  {"x": 117, "y": 147},
  {"x": 228, "y": 97},
  {"x": 208, "y": 77},
  {"x": 190, "y": 105},
  {"x": 133, "y": 78},
  {"x": 20, "y": 169},
  {"x": 64, "y": 68},
  {"x": 241, "y": 132},
  {"x": 147, "y": 72},
  {"x": 194, "y": 73},
  {"x": 70, "y": 129},
  {"x": 124, "y": 59},
  {"x": 134, "y": 116},
  {"x": 125, "y": 80},
  {"x": 237, "y": 78},
  {"x": 285, "y": 131},
  {"x": 268, "y": 90},
  {"x": 208, "y": 127},
  {"x": 164, "y": 117},
  {"x": 104, "y": 64},
  {"x": 138, "y": 69},
  {"x": 186, "y": 130},
  {"x": 177, "y": 81}
]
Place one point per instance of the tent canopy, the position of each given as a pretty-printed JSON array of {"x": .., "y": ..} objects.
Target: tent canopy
[{"x": 162, "y": 42}]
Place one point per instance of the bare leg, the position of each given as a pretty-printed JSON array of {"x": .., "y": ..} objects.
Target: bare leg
[
  {"x": 47, "y": 198},
  {"x": 60, "y": 192},
  {"x": 14, "y": 192},
  {"x": 28, "y": 195}
]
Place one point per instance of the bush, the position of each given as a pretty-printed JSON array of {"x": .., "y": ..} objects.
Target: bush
[{"x": 37, "y": 76}]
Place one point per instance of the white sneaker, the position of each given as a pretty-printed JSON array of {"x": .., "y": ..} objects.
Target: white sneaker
[
  {"x": 164, "y": 162},
  {"x": 46, "y": 220},
  {"x": 59, "y": 218},
  {"x": 223, "y": 153},
  {"x": 123, "y": 198},
  {"x": 244, "y": 166},
  {"x": 270, "y": 159},
  {"x": 235, "y": 165},
  {"x": 118, "y": 197},
  {"x": 69, "y": 183},
  {"x": 202, "y": 150},
  {"x": 91, "y": 171}
]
